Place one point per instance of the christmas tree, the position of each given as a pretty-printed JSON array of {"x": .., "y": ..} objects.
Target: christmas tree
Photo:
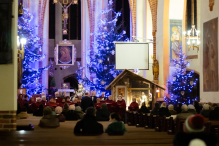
[
  {"x": 182, "y": 83},
  {"x": 101, "y": 61},
  {"x": 32, "y": 54}
]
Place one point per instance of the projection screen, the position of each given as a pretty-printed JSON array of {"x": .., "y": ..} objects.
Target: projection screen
[{"x": 131, "y": 55}]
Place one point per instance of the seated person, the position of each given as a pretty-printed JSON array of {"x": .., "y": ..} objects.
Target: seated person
[
  {"x": 163, "y": 111},
  {"x": 134, "y": 105},
  {"x": 103, "y": 113},
  {"x": 65, "y": 109},
  {"x": 59, "y": 114},
  {"x": 68, "y": 100},
  {"x": 179, "y": 108},
  {"x": 116, "y": 126},
  {"x": 79, "y": 111},
  {"x": 39, "y": 111},
  {"x": 71, "y": 115},
  {"x": 75, "y": 101},
  {"x": 214, "y": 113},
  {"x": 44, "y": 102},
  {"x": 20, "y": 99},
  {"x": 205, "y": 111},
  {"x": 23, "y": 114},
  {"x": 111, "y": 105},
  {"x": 121, "y": 106},
  {"x": 48, "y": 120},
  {"x": 52, "y": 102},
  {"x": 193, "y": 128},
  {"x": 143, "y": 109},
  {"x": 98, "y": 104},
  {"x": 29, "y": 110},
  {"x": 198, "y": 106},
  {"x": 171, "y": 110},
  {"x": 89, "y": 124},
  {"x": 184, "y": 114},
  {"x": 191, "y": 109},
  {"x": 25, "y": 99},
  {"x": 155, "y": 111},
  {"x": 61, "y": 104}
]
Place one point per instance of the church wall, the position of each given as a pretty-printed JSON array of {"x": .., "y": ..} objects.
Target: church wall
[
  {"x": 207, "y": 15},
  {"x": 8, "y": 78}
]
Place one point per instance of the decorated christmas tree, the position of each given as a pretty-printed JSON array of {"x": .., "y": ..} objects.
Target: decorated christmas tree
[
  {"x": 101, "y": 62},
  {"x": 33, "y": 54},
  {"x": 181, "y": 85}
]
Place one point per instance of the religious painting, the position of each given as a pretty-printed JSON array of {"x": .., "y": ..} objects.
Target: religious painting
[
  {"x": 210, "y": 55},
  {"x": 121, "y": 91},
  {"x": 5, "y": 32},
  {"x": 175, "y": 38},
  {"x": 65, "y": 55}
]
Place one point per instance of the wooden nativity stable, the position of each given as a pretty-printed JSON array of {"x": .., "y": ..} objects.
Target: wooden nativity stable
[{"x": 131, "y": 85}]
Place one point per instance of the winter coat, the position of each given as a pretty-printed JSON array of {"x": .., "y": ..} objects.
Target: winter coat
[
  {"x": 49, "y": 121},
  {"x": 116, "y": 127},
  {"x": 102, "y": 115}
]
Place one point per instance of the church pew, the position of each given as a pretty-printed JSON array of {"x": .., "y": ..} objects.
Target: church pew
[
  {"x": 157, "y": 123},
  {"x": 170, "y": 126},
  {"x": 25, "y": 127},
  {"x": 178, "y": 125},
  {"x": 150, "y": 122},
  {"x": 212, "y": 126},
  {"x": 135, "y": 116},
  {"x": 139, "y": 120},
  {"x": 144, "y": 120},
  {"x": 163, "y": 124},
  {"x": 131, "y": 118}
]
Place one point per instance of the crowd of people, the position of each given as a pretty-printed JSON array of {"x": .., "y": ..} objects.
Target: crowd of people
[{"x": 88, "y": 109}]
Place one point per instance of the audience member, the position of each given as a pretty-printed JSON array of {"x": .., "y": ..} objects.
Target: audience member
[
  {"x": 59, "y": 114},
  {"x": 79, "y": 112},
  {"x": 71, "y": 115},
  {"x": 89, "y": 124},
  {"x": 75, "y": 101},
  {"x": 121, "y": 106},
  {"x": 85, "y": 102},
  {"x": 192, "y": 109},
  {"x": 193, "y": 129},
  {"x": 179, "y": 108},
  {"x": 163, "y": 111},
  {"x": 93, "y": 97},
  {"x": 116, "y": 126},
  {"x": 98, "y": 104},
  {"x": 65, "y": 109},
  {"x": 155, "y": 111},
  {"x": 103, "y": 113},
  {"x": 198, "y": 108},
  {"x": 184, "y": 114},
  {"x": 197, "y": 142},
  {"x": 214, "y": 114},
  {"x": 143, "y": 109},
  {"x": 205, "y": 111},
  {"x": 23, "y": 114},
  {"x": 29, "y": 110},
  {"x": 134, "y": 105},
  {"x": 48, "y": 120},
  {"x": 171, "y": 110},
  {"x": 68, "y": 100},
  {"x": 39, "y": 111},
  {"x": 210, "y": 104},
  {"x": 213, "y": 106}
]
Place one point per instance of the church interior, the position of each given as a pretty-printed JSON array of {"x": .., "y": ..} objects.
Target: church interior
[{"x": 109, "y": 72}]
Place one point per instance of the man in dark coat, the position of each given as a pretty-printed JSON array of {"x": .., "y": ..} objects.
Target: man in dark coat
[
  {"x": 85, "y": 102},
  {"x": 88, "y": 125},
  {"x": 214, "y": 114},
  {"x": 93, "y": 97},
  {"x": 103, "y": 113}
]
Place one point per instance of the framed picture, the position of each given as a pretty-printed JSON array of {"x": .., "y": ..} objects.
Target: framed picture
[
  {"x": 65, "y": 54},
  {"x": 21, "y": 91}
]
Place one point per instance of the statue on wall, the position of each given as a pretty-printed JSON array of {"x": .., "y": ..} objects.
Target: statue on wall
[
  {"x": 211, "y": 4},
  {"x": 155, "y": 69}
]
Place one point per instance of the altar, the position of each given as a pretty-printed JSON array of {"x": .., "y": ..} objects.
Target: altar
[{"x": 65, "y": 92}]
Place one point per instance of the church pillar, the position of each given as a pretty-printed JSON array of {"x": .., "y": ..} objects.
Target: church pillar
[{"x": 8, "y": 78}]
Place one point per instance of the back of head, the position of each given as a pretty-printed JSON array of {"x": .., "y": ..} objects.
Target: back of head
[
  {"x": 171, "y": 107},
  {"x": 209, "y": 103},
  {"x": 104, "y": 106},
  {"x": 197, "y": 142},
  {"x": 90, "y": 111},
  {"x": 115, "y": 116},
  {"x": 66, "y": 106},
  {"x": 206, "y": 107},
  {"x": 194, "y": 123},
  {"x": 191, "y": 107},
  {"x": 184, "y": 107},
  {"x": 156, "y": 105},
  {"x": 180, "y": 105},
  {"x": 86, "y": 94},
  {"x": 78, "y": 108},
  {"x": 214, "y": 105},
  {"x": 47, "y": 111},
  {"x": 23, "y": 109},
  {"x": 58, "y": 110},
  {"x": 72, "y": 107},
  {"x": 143, "y": 104},
  {"x": 196, "y": 104},
  {"x": 163, "y": 105}
]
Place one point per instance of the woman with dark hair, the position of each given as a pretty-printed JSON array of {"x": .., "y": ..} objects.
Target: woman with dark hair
[
  {"x": 65, "y": 109},
  {"x": 155, "y": 111},
  {"x": 29, "y": 110},
  {"x": 197, "y": 107},
  {"x": 116, "y": 126},
  {"x": 178, "y": 108}
]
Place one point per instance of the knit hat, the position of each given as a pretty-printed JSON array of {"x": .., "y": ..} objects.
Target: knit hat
[
  {"x": 190, "y": 106},
  {"x": 47, "y": 111},
  {"x": 194, "y": 123},
  {"x": 77, "y": 108},
  {"x": 171, "y": 107},
  {"x": 197, "y": 142}
]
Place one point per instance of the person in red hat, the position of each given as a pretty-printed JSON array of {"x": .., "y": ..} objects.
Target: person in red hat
[
  {"x": 134, "y": 105},
  {"x": 194, "y": 128}
]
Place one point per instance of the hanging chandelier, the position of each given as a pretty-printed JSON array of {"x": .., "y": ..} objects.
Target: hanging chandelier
[{"x": 193, "y": 38}]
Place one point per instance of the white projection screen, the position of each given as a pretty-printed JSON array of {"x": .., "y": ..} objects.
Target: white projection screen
[{"x": 131, "y": 55}]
